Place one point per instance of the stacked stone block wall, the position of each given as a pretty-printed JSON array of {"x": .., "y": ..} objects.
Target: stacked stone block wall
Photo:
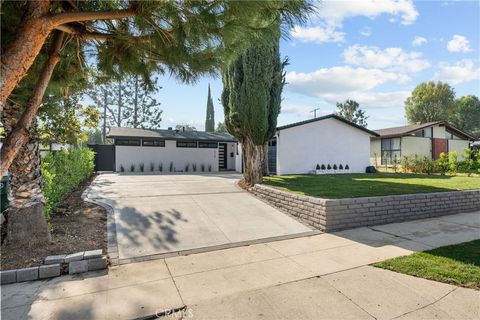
[{"x": 338, "y": 214}]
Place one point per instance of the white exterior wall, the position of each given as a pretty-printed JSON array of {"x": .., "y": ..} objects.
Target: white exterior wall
[
  {"x": 127, "y": 155},
  {"x": 458, "y": 146},
  {"x": 439, "y": 132},
  {"x": 412, "y": 146},
  {"x": 239, "y": 159},
  {"x": 328, "y": 141},
  {"x": 375, "y": 152}
]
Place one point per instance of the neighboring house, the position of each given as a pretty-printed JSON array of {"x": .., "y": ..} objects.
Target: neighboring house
[
  {"x": 426, "y": 139},
  {"x": 139, "y": 146},
  {"x": 299, "y": 147}
]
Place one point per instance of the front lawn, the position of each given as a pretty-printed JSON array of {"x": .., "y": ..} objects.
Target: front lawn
[
  {"x": 337, "y": 186},
  {"x": 456, "y": 264}
]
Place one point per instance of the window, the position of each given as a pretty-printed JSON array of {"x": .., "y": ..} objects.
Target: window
[
  {"x": 127, "y": 142},
  {"x": 390, "y": 148},
  {"x": 186, "y": 144},
  {"x": 212, "y": 145},
  {"x": 428, "y": 132},
  {"x": 153, "y": 143},
  {"x": 451, "y": 136}
]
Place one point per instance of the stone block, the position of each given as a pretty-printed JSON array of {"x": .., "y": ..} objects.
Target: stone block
[
  {"x": 8, "y": 276},
  {"x": 49, "y": 271},
  {"x": 92, "y": 254},
  {"x": 77, "y": 256},
  {"x": 78, "y": 267},
  {"x": 55, "y": 259},
  {"x": 27, "y": 274},
  {"x": 97, "y": 264}
]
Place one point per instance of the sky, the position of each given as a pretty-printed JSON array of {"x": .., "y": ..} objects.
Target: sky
[{"x": 374, "y": 52}]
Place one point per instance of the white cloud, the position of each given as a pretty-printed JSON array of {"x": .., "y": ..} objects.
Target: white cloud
[
  {"x": 323, "y": 34},
  {"x": 372, "y": 100},
  {"x": 459, "y": 44},
  {"x": 329, "y": 17},
  {"x": 419, "y": 41},
  {"x": 338, "y": 10},
  {"x": 296, "y": 109},
  {"x": 389, "y": 58},
  {"x": 340, "y": 80},
  {"x": 461, "y": 71},
  {"x": 366, "y": 31}
]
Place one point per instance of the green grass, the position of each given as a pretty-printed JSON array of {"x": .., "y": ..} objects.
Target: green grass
[
  {"x": 457, "y": 264},
  {"x": 337, "y": 186}
]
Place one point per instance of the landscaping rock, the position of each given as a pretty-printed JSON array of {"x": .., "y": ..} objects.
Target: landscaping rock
[
  {"x": 74, "y": 257},
  {"x": 49, "y": 271},
  {"x": 92, "y": 254},
  {"x": 8, "y": 276},
  {"x": 97, "y": 264},
  {"x": 27, "y": 274},
  {"x": 55, "y": 259},
  {"x": 77, "y": 267}
]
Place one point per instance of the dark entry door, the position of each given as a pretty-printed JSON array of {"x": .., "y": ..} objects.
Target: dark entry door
[
  {"x": 439, "y": 146},
  {"x": 104, "y": 156},
  {"x": 222, "y": 156}
]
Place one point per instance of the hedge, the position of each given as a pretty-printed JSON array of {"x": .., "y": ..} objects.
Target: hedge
[{"x": 62, "y": 172}]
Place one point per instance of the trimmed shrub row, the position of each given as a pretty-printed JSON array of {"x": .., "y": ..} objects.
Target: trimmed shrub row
[{"x": 62, "y": 172}]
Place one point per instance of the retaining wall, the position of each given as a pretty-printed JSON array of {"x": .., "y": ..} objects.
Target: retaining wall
[{"x": 338, "y": 214}]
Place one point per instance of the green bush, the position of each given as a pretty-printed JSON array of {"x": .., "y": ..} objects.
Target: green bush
[
  {"x": 442, "y": 163},
  {"x": 62, "y": 172},
  {"x": 427, "y": 165},
  {"x": 452, "y": 162}
]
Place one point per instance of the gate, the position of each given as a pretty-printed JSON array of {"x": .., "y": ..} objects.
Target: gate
[
  {"x": 272, "y": 156},
  {"x": 104, "y": 156}
]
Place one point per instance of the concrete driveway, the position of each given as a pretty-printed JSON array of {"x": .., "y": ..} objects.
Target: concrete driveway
[{"x": 158, "y": 214}]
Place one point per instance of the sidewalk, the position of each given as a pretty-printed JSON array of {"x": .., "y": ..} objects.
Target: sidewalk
[{"x": 319, "y": 277}]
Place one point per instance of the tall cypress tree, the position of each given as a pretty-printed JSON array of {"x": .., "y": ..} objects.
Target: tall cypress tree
[
  {"x": 210, "y": 120},
  {"x": 251, "y": 99}
]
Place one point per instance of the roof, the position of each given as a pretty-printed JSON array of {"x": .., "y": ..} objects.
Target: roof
[
  {"x": 169, "y": 134},
  {"x": 330, "y": 116},
  {"x": 407, "y": 130}
]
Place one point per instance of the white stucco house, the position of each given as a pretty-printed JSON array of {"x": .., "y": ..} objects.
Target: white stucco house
[
  {"x": 330, "y": 140},
  {"x": 177, "y": 148}
]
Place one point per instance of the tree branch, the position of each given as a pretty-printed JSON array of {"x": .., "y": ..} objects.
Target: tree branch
[
  {"x": 84, "y": 35},
  {"x": 67, "y": 17}
]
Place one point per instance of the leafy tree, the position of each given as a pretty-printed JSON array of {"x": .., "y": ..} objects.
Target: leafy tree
[
  {"x": 210, "y": 119},
  {"x": 184, "y": 38},
  {"x": 252, "y": 88},
  {"x": 67, "y": 121},
  {"x": 142, "y": 109},
  {"x": 429, "y": 102},
  {"x": 466, "y": 115},
  {"x": 351, "y": 111},
  {"x": 185, "y": 127},
  {"x": 221, "y": 127}
]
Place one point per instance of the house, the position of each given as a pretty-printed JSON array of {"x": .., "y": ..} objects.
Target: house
[
  {"x": 179, "y": 148},
  {"x": 329, "y": 140},
  {"x": 425, "y": 139}
]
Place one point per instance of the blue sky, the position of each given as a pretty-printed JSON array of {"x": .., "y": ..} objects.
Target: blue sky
[{"x": 374, "y": 52}]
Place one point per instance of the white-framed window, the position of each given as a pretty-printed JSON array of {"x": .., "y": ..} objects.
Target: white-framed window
[{"x": 390, "y": 147}]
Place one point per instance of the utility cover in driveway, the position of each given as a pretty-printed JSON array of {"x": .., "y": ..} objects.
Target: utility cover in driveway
[{"x": 157, "y": 214}]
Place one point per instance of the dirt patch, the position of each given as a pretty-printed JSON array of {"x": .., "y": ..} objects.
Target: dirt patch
[{"x": 76, "y": 226}]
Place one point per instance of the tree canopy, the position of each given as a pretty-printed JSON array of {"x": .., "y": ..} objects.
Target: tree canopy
[
  {"x": 430, "y": 101},
  {"x": 351, "y": 111}
]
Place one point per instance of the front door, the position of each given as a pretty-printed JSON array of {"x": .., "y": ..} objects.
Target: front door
[
  {"x": 222, "y": 156},
  {"x": 439, "y": 146}
]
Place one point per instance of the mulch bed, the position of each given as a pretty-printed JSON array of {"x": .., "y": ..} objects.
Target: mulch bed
[{"x": 76, "y": 226}]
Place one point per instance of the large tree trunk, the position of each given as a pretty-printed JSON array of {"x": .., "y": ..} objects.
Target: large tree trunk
[
  {"x": 26, "y": 223},
  {"x": 19, "y": 55},
  {"x": 253, "y": 162},
  {"x": 20, "y": 133}
]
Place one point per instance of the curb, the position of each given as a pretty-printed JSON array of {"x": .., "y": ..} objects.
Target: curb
[{"x": 57, "y": 265}]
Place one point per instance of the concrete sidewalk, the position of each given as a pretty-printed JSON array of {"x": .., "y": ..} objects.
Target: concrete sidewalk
[{"x": 319, "y": 277}]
